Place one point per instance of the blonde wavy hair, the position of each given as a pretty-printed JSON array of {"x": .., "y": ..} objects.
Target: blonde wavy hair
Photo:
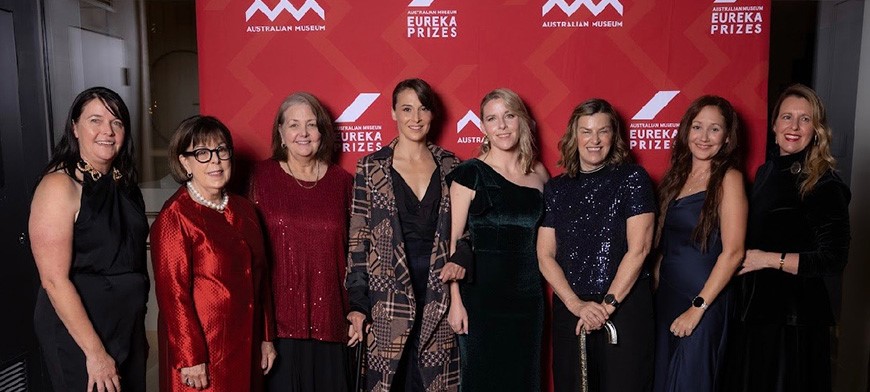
[
  {"x": 819, "y": 159},
  {"x": 526, "y": 145}
]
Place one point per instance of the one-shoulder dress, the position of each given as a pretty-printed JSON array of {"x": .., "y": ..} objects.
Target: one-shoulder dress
[{"x": 505, "y": 301}]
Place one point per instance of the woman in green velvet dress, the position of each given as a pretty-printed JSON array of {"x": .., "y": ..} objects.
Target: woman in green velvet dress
[{"x": 498, "y": 310}]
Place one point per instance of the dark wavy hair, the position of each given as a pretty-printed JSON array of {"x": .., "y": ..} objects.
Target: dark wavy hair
[
  {"x": 726, "y": 158},
  {"x": 66, "y": 153},
  {"x": 570, "y": 155}
]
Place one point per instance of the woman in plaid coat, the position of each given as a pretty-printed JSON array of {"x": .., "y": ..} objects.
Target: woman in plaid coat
[{"x": 399, "y": 238}]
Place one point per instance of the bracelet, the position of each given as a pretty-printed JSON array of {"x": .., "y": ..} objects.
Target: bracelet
[{"x": 781, "y": 260}]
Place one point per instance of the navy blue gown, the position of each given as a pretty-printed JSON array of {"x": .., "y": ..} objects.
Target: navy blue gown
[{"x": 691, "y": 363}]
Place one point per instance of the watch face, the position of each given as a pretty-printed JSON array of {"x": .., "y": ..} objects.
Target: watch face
[
  {"x": 698, "y": 302},
  {"x": 610, "y": 299}
]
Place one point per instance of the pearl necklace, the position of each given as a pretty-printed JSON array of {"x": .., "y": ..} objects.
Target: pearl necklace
[
  {"x": 316, "y": 175},
  {"x": 219, "y": 207}
]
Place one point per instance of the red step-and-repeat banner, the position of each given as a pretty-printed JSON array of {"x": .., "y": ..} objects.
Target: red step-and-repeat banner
[{"x": 649, "y": 58}]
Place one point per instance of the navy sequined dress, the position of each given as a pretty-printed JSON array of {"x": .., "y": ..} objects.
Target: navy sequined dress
[{"x": 589, "y": 213}]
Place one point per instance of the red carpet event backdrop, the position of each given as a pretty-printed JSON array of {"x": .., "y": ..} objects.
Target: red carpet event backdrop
[{"x": 649, "y": 58}]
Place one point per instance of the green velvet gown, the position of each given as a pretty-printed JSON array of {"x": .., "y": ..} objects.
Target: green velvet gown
[{"x": 504, "y": 299}]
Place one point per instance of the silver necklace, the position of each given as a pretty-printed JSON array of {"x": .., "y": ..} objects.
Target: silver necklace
[
  {"x": 590, "y": 171},
  {"x": 316, "y": 175},
  {"x": 219, "y": 207},
  {"x": 696, "y": 181}
]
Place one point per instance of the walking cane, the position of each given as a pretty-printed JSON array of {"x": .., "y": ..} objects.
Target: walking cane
[
  {"x": 612, "y": 338},
  {"x": 360, "y": 366}
]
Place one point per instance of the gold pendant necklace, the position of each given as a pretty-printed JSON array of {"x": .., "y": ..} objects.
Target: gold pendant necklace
[
  {"x": 316, "y": 175},
  {"x": 85, "y": 167}
]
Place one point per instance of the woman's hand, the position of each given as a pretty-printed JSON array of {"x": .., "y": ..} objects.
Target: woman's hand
[
  {"x": 102, "y": 372},
  {"x": 451, "y": 272},
  {"x": 195, "y": 376},
  {"x": 268, "y": 358},
  {"x": 685, "y": 324},
  {"x": 756, "y": 260},
  {"x": 457, "y": 317},
  {"x": 592, "y": 314},
  {"x": 355, "y": 329}
]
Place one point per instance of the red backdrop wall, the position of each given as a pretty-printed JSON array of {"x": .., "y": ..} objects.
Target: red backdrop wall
[{"x": 650, "y": 58}]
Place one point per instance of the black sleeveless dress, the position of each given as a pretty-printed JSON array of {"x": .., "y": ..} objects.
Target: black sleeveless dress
[{"x": 109, "y": 272}]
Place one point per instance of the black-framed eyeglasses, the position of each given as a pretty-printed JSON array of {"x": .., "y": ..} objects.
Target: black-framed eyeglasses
[{"x": 204, "y": 155}]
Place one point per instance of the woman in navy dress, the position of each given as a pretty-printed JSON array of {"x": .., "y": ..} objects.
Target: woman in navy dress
[
  {"x": 702, "y": 228},
  {"x": 596, "y": 233}
]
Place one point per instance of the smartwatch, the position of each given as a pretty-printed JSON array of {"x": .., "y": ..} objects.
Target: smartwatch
[
  {"x": 610, "y": 299},
  {"x": 699, "y": 302}
]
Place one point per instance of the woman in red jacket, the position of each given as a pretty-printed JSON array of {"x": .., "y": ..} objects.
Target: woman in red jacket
[{"x": 215, "y": 326}]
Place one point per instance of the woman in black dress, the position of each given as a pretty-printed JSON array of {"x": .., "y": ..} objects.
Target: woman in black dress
[
  {"x": 798, "y": 233},
  {"x": 596, "y": 233},
  {"x": 88, "y": 230}
]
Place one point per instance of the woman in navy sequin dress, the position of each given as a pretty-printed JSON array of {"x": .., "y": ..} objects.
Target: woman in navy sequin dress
[
  {"x": 597, "y": 230},
  {"x": 702, "y": 229}
]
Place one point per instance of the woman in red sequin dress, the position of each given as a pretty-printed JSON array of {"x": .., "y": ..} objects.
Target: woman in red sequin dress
[
  {"x": 210, "y": 274},
  {"x": 303, "y": 200}
]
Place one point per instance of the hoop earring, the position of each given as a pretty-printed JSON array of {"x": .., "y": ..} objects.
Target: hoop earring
[{"x": 189, "y": 175}]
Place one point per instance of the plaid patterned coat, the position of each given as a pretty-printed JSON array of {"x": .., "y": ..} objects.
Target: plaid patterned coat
[{"x": 379, "y": 282}]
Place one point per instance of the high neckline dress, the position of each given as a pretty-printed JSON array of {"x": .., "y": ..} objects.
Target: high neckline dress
[{"x": 110, "y": 275}]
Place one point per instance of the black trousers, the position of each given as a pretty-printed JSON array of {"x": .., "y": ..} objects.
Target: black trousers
[{"x": 624, "y": 367}]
